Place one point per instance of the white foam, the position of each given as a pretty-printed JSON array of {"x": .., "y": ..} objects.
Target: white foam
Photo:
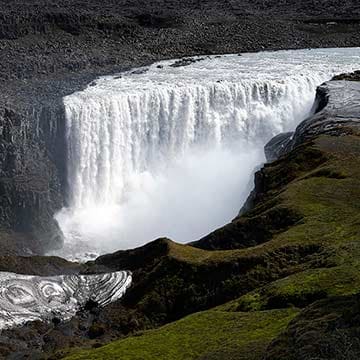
[{"x": 26, "y": 298}]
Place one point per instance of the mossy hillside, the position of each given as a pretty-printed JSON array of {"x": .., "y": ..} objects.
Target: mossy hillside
[
  {"x": 181, "y": 283},
  {"x": 206, "y": 335},
  {"x": 320, "y": 184},
  {"x": 328, "y": 199},
  {"x": 38, "y": 265},
  {"x": 329, "y": 204},
  {"x": 315, "y": 256},
  {"x": 328, "y": 329},
  {"x": 300, "y": 289}
]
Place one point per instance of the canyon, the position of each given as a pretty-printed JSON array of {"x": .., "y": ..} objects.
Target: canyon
[{"x": 282, "y": 256}]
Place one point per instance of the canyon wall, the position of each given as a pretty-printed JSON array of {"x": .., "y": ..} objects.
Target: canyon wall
[{"x": 32, "y": 173}]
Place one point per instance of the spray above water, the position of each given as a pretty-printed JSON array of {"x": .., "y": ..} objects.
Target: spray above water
[{"x": 169, "y": 151}]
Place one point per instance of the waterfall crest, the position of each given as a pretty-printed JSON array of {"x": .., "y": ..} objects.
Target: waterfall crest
[{"x": 114, "y": 139}]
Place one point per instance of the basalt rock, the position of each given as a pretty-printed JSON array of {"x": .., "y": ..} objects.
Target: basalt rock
[
  {"x": 277, "y": 145},
  {"x": 336, "y": 113},
  {"x": 32, "y": 170}
]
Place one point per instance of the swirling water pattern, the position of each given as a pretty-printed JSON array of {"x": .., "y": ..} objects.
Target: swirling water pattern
[{"x": 26, "y": 298}]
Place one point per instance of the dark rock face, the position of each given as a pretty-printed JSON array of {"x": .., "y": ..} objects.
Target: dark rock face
[
  {"x": 33, "y": 173},
  {"x": 276, "y": 146},
  {"x": 339, "y": 116},
  {"x": 355, "y": 76},
  {"x": 336, "y": 112},
  {"x": 32, "y": 167}
]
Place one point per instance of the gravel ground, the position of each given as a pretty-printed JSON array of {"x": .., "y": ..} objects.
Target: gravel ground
[{"x": 51, "y": 48}]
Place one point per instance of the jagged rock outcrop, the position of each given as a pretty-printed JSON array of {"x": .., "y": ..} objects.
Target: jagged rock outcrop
[{"x": 277, "y": 146}]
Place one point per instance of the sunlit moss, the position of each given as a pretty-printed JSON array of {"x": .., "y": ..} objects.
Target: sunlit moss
[{"x": 234, "y": 335}]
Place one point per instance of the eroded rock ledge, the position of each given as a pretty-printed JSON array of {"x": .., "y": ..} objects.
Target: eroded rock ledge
[{"x": 337, "y": 110}]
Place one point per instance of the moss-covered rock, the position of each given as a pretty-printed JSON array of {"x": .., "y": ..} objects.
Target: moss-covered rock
[
  {"x": 326, "y": 330},
  {"x": 300, "y": 289}
]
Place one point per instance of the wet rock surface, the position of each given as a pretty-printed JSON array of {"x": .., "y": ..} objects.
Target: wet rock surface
[
  {"x": 340, "y": 115},
  {"x": 337, "y": 114},
  {"x": 277, "y": 145}
]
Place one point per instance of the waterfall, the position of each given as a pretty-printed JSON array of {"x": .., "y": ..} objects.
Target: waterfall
[
  {"x": 144, "y": 132},
  {"x": 112, "y": 140}
]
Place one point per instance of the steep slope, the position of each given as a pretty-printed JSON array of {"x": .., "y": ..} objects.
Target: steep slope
[
  {"x": 207, "y": 335},
  {"x": 327, "y": 330}
]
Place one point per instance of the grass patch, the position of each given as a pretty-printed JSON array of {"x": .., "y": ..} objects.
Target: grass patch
[
  {"x": 202, "y": 335},
  {"x": 300, "y": 289}
]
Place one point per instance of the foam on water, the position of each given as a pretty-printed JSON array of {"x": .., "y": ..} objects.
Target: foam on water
[
  {"x": 169, "y": 150},
  {"x": 26, "y": 298}
]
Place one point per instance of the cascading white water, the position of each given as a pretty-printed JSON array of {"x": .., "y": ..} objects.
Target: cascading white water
[{"x": 168, "y": 151}]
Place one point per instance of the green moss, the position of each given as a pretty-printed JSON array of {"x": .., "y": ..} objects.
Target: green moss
[
  {"x": 321, "y": 249},
  {"x": 300, "y": 289},
  {"x": 314, "y": 254},
  {"x": 205, "y": 334},
  {"x": 328, "y": 199}
]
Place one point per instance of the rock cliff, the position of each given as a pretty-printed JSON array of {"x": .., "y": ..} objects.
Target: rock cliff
[{"x": 32, "y": 171}]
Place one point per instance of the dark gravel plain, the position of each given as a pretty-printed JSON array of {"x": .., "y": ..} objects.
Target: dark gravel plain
[{"x": 50, "y": 48}]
